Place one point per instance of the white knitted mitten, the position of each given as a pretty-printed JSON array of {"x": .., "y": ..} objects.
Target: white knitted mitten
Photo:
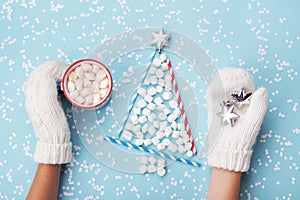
[
  {"x": 233, "y": 147},
  {"x": 46, "y": 114}
]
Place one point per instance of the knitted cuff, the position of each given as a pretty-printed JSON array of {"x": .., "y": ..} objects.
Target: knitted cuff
[
  {"x": 236, "y": 160},
  {"x": 48, "y": 153}
]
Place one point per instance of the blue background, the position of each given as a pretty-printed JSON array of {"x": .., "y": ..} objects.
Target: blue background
[{"x": 260, "y": 36}]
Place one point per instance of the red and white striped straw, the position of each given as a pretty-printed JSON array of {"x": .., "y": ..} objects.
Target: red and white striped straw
[{"x": 185, "y": 120}]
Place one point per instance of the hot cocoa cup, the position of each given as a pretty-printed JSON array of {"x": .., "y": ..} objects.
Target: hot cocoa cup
[{"x": 87, "y": 84}]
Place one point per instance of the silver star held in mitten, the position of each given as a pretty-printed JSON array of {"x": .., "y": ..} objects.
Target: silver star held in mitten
[
  {"x": 240, "y": 96},
  {"x": 227, "y": 115},
  {"x": 160, "y": 39}
]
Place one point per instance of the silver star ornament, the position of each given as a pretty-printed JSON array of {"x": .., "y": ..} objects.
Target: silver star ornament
[
  {"x": 240, "y": 96},
  {"x": 227, "y": 115},
  {"x": 160, "y": 39}
]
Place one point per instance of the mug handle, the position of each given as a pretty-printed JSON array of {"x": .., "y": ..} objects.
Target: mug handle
[{"x": 59, "y": 87}]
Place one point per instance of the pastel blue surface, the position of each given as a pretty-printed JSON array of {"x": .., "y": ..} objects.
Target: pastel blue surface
[{"x": 262, "y": 37}]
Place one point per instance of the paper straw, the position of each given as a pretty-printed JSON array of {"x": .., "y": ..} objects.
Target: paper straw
[
  {"x": 151, "y": 151},
  {"x": 135, "y": 94},
  {"x": 185, "y": 120}
]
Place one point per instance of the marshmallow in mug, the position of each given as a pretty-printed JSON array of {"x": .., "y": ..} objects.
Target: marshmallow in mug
[{"x": 88, "y": 84}]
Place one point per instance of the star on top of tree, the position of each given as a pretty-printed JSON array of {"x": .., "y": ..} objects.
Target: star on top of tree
[{"x": 160, "y": 39}]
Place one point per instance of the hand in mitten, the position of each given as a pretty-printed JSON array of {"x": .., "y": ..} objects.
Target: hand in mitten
[
  {"x": 46, "y": 114},
  {"x": 233, "y": 143}
]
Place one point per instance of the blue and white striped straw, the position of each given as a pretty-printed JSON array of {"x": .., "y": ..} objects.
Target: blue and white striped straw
[
  {"x": 135, "y": 94},
  {"x": 152, "y": 151}
]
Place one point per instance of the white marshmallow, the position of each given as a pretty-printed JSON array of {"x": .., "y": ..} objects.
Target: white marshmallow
[
  {"x": 159, "y": 73},
  {"x": 160, "y": 107},
  {"x": 156, "y": 124},
  {"x": 136, "y": 110},
  {"x": 168, "y": 78},
  {"x": 155, "y": 140},
  {"x": 137, "y": 128},
  {"x": 100, "y": 75},
  {"x": 174, "y": 125},
  {"x": 179, "y": 141},
  {"x": 71, "y": 86},
  {"x": 152, "y": 160},
  {"x": 151, "y": 130},
  {"x": 151, "y": 168},
  {"x": 152, "y": 70},
  {"x": 163, "y": 125},
  {"x": 187, "y": 146},
  {"x": 146, "y": 112},
  {"x": 96, "y": 98},
  {"x": 175, "y": 134},
  {"x": 142, "y": 119},
  {"x": 176, "y": 113},
  {"x": 172, "y": 147},
  {"x": 151, "y": 91},
  {"x": 167, "y": 111},
  {"x": 168, "y": 131},
  {"x": 148, "y": 98},
  {"x": 127, "y": 135},
  {"x": 129, "y": 126},
  {"x": 145, "y": 128},
  {"x": 142, "y": 91},
  {"x": 134, "y": 119},
  {"x": 152, "y": 117},
  {"x": 159, "y": 89},
  {"x": 139, "y": 135},
  {"x": 151, "y": 106},
  {"x": 144, "y": 160},
  {"x": 182, "y": 133},
  {"x": 164, "y": 66},
  {"x": 161, "y": 171},
  {"x": 104, "y": 83},
  {"x": 166, "y": 142},
  {"x": 161, "y": 82},
  {"x": 87, "y": 83},
  {"x": 80, "y": 73},
  {"x": 86, "y": 67},
  {"x": 170, "y": 118},
  {"x": 163, "y": 57},
  {"x": 180, "y": 126},
  {"x": 146, "y": 81},
  {"x": 168, "y": 87},
  {"x": 89, "y": 100},
  {"x": 156, "y": 62},
  {"x": 181, "y": 149},
  {"x": 79, "y": 84},
  {"x": 79, "y": 99},
  {"x": 147, "y": 142},
  {"x": 189, "y": 154},
  {"x": 139, "y": 142},
  {"x": 103, "y": 92},
  {"x": 72, "y": 76},
  {"x": 173, "y": 104},
  {"x": 162, "y": 116},
  {"x": 160, "y": 146},
  {"x": 143, "y": 169},
  {"x": 153, "y": 80},
  {"x": 86, "y": 91},
  {"x": 89, "y": 76},
  {"x": 161, "y": 163},
  {"x": 96, "y": 68},
  {"x": 141, "y": 103},
  {"x": 167, "y": 95},
  {"x": 186, "y": 139},
  {"x": 158, "y": 100},
  {"x": 160, "y": 134}
]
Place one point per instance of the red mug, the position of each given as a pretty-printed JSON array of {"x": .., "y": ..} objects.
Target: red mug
[{"x": 87, "y": 83}]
